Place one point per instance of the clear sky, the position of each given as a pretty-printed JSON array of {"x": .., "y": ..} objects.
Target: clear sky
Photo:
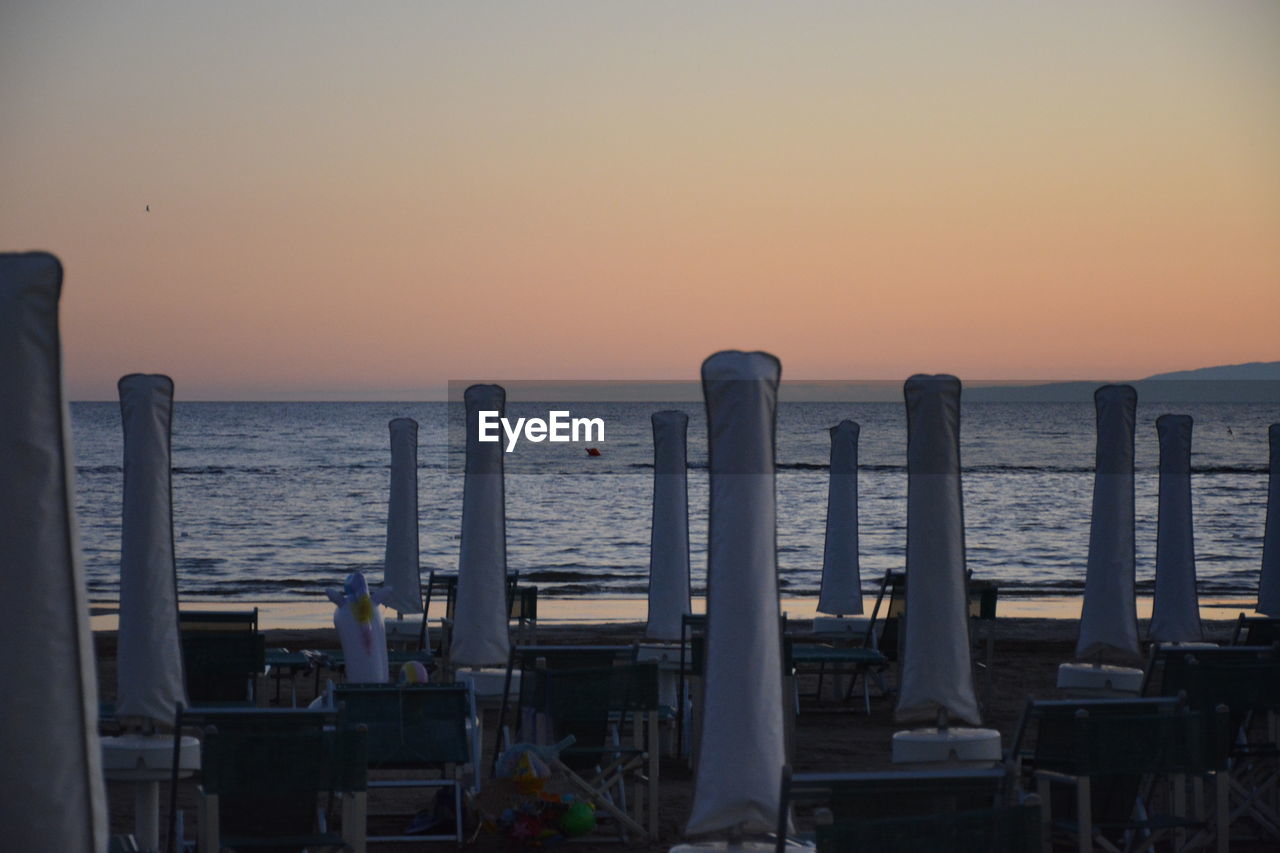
[{"x": 369, "y": 199}]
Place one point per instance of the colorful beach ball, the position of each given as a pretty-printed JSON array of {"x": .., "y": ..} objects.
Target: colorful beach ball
[{"x": 413, "y": 672}]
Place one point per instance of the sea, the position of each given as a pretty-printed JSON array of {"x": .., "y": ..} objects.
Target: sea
[{"x": 276, "y": 501}]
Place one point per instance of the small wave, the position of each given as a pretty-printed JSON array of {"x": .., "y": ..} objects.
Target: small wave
[
  {"x": 553, "y": 576},
  {"x": 199, "y": 562},
  {"x": 99, "y": 469}
]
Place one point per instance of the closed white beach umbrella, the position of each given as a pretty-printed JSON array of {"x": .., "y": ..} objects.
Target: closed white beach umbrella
[
  {"x": 1175, "y": 613},
  {"x": 936, "y": 671},
  {"x": 1109, "y": 617},
  {"x": 480, "y": 620},
  {"x": 841, "y": 591},
  {"x": 742, "y": 747},
  {"x": 51, "y": 771},
  {"x": 401, "y": 570},
  {"x": 669, "y": 535},
  {"x": 1269, "y": 583},
  {"x": 149, "y": 659}
]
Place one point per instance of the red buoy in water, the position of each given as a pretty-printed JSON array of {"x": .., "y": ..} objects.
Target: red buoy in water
[{"x": 593, "y": 451}]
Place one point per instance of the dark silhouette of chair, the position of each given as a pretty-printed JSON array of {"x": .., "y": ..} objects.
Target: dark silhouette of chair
[
  {"x": 440, "y": 585},
  {"x": 218, "y": 620},
  {"x": 1256, "y": 631},
  {"x": 1008, "y": 829},
  {"x": 262, "y": 790},
  {"x": 1096, "y": 770},
  {"x": 1246, "y": 680},
  {"x": 884, "y": 632},
  {"x": 525, "y": 660},
  {"x": 222, "y": 666},
  {"x": 419, "y": 728},
  {"x": 602, "y": 708},
  {"x": 846, "y": 800}
]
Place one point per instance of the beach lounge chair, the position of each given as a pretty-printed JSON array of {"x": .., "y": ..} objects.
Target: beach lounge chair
[
  {"x": 1006, "y": 829},
  {"x": 223, "y": 666},
  {"x": 524, "y": 660},
  {"x": 263, "y": 790},
  {"x": 845, "y": 799},
  {"x": 218, "y": 620},
  {"x": 419, "y": 728},
  {"x": 1097, "y": 767},
  {"x": 442, "y": 586},
  {"x": 691, "y": 625},
  {"x": 1255, "y": 631},
  {"x": 603, "y": 708},
  {"x": 1245, "y": 680},
  {"x": 885, "y": 629},
  {"x": 837, "y": 661}
]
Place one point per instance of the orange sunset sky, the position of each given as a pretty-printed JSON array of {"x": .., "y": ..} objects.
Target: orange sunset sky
[{"x": 364, "y": 200}]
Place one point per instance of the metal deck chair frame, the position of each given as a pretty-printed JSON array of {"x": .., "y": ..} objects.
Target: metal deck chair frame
[
  {"x": 1127, "y": 754},
  {"x": 414, "y": 727},
  {"x": 893, "y": 794},
  {"x": 262, "y": 771},
  {"x": 1246, "y": 680},
  {"x": 1002, "y": 829},
  {"x": 438, "y": 582},
  {"x": 223, "y": 666},
  {"x": 597, "y": 705}
]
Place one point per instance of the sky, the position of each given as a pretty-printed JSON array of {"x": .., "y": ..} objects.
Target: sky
[{"x": 369, "y": 200}]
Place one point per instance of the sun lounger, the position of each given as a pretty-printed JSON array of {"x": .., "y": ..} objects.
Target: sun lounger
[
  {"x": 846, "y": 798},
  {"x": 419, "y": 728}
]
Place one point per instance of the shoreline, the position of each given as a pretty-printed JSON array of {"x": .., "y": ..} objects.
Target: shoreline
[{"x": 317, "y": 613}]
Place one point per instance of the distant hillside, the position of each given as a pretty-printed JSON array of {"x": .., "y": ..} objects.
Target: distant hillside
[
  {"x": 1254, "y": 370},
  {"x": 1256, "y": 382}
]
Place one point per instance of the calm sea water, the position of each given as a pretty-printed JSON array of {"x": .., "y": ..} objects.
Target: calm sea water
[{"x": 278, "y": 500}]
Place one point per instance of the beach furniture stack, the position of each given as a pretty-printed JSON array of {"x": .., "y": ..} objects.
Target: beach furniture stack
[
  {"x": 742, "y": 748},
  {"x": 937, "y": 675},
  {"x": 52, "y": 757},
  {"x": 150, "y": 680},
  {"x": 1109, "y": 615}
]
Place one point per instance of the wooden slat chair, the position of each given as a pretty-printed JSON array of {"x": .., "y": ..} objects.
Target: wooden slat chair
[
  {"x": 1096, "y": 775},
  {"x": 843, "y": 799},
  {"x": 598, "y": 706},
  {"x": 525, "y": 660},
  {"x": 263, "y": 790},
  {"x": 416, "y": 727},
  {"x": 1026, "y": 749},
  {"x": 1246, "y": 680}
]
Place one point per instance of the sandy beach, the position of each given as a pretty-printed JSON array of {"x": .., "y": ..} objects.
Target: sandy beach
[{"x": 830, "y": 735}]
